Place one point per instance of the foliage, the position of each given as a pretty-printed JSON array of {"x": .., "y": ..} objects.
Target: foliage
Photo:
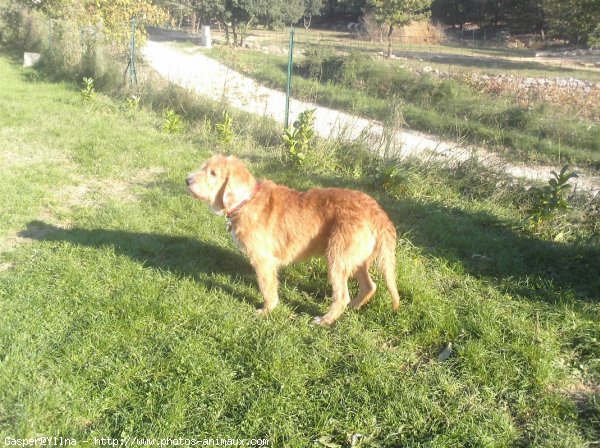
[
  {"x": 225, "y": 128},
  {"x": 88, "y": 91},
  {"x": 547, "y": 201},
  {"x": 575, "y": 19},
  {"x": 594, "y": 38},
  {"x": 396, "y": 13},
  {"x": 172, "y": 123},
  {"x": 298, "y": 140},
  {"x": 113, "y": 16},
  {"x": 516, "y": 14}
]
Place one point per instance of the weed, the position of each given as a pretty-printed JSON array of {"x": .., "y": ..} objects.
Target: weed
[
  {"x": 225, "y": 128},
  {"x": 88, "y": 91},
  {"x": 172, "y": 123},
  {"x": 298, "y": 140},
  {"x": 132, "y": 103},
  {"x": 551, "y": 198}
]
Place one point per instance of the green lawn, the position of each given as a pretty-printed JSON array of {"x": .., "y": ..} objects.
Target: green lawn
[{"x": 125, "y": 309}]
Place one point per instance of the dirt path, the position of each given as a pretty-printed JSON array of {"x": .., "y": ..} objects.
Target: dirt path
[{"x": 192, "y": 70}]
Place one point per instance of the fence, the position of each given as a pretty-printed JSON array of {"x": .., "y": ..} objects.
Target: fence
[
  {"x": 482, "y": 91},
  {"x": 485, "y": 59}
]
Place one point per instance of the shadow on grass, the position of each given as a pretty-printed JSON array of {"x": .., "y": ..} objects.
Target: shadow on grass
[
  {"x": 486, "y": 247},
  {"x": 186, "y": 257},
  {"x": 467, "y": 58},
  {"x": 182, "y": 256}
]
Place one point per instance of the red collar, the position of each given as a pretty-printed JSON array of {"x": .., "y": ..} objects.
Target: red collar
[{"x": 238, "y": 207}]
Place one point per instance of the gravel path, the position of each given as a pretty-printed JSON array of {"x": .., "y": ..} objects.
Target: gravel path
[{"x": 192, "y": 70}]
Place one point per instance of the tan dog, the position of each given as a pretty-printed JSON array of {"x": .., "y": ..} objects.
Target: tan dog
[{"x": 276, "y": 225}]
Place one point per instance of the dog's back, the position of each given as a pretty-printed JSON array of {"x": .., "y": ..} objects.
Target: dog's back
[{"x": 297, "y": 225}]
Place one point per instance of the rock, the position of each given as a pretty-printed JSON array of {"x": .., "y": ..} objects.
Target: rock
[{"x": 30, "y": 59}]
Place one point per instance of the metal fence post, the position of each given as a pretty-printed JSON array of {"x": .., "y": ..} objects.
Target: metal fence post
[
  {"x": 132, "y": 71},
  {"x": 289, "y": 78}
]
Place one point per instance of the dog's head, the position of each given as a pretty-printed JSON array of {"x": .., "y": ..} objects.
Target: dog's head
[{"x": 223, "y": 182}]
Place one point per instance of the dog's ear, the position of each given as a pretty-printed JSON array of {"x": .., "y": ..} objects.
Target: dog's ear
[{"x": 239, "y": 184}]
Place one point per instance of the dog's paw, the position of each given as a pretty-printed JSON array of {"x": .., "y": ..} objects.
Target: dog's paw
[
  {"x": 262, "y": 312},
  {"x": 321, "y": 320}
]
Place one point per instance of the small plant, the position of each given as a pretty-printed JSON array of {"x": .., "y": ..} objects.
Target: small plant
[
  {"x": 298, "y": 140},
  {"x": 225, "y": 128},
  {"x": 173, "y": 123},
  {"x": 132, "y": 103},
  {"x": 88, "y": 91},
  {"x": 550, "y": 198}
]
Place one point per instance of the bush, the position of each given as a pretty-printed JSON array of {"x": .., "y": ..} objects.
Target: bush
[
  {"x": 316, "y": 63},
  {"x": 69, "y": 51}
]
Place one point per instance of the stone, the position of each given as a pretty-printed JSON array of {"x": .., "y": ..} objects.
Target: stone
[{"x": 30, "y": 59}]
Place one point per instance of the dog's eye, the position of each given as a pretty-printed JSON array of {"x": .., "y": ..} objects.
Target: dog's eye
[{"x": 212, "y": 173}]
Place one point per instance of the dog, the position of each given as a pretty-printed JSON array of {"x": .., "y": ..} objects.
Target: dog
[{"x": 276, "y": 225}]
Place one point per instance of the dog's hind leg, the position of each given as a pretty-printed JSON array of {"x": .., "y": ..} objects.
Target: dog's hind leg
[
  {"x": 366, "y": 286},
  {"x": 338, "y": 276}
]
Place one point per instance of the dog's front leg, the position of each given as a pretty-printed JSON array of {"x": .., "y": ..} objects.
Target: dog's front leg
[{"x": 266, "y": 271}]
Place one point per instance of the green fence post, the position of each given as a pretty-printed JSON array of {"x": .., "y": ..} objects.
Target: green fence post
[
  {"x": 289, "y": 78},
  {"x": 132, "y": 71}
]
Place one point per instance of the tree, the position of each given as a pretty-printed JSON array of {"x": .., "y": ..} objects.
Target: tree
[
  {"x": 235, "y": 16},
  {"x": 574, "y": 19},
  {"x": 397, "y": 13},
  {"x": 594, "y": 39},
  {"x": 114, "y": 16},
  {"x": 275, "y": 13},
  {"x": 311, "y": 8}
]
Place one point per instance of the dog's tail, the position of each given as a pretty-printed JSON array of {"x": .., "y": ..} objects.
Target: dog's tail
[{"x": 386, "y": 259}]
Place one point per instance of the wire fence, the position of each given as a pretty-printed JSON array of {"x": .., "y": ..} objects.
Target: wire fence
[
  {"x": 482, "y": 92},
  {"x": 482, "y": 59},
  {"x": 494, "y": 49},
  {"x": 503, "y": 104}
]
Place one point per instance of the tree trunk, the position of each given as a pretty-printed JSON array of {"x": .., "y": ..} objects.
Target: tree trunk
[
  {"x": 307, "y": 22},
  {"x": 227, "y": 36},
  {"x": 389, "y": 52},
  {"x": 194, "y": 21},
  {"x": 235, "y": 34}
]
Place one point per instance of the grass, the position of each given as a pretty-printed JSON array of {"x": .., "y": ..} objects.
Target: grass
[
  {"x": 127, "y": 310},
  {"x": 378, "y": 89}
]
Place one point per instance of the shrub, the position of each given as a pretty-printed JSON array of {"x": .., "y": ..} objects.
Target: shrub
[
  {"x": 173, "y": 123},
  {"x": 298, "y": 140},
  {"x": 225, "y": 128},
  {"x": 88, "y": 91},
  {"x": 550, "y": 199}
]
